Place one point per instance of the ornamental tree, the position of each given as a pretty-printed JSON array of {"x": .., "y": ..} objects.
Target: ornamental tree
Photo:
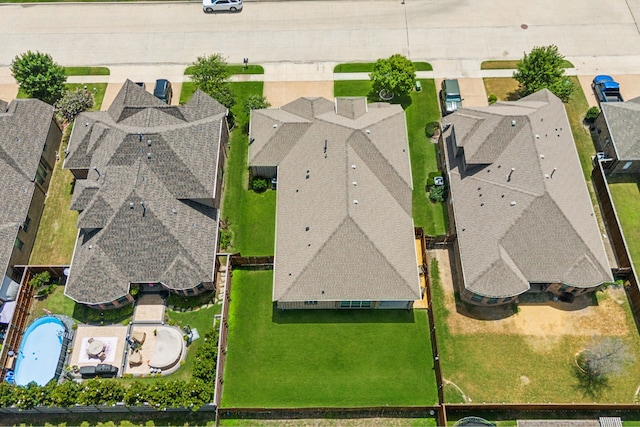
[
  {"x": 392, "y": 76},
  {"x": 72, "y": 103},
  {"x": 211, "y": 75},
  {"x": 39, "y": 76},
  {"x": 542, "y": 68}
]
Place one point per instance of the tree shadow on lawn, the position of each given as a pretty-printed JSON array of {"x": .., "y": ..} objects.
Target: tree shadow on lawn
[
  {"x": 589, "y": 385},
  {"x": 342, "y": 316}
]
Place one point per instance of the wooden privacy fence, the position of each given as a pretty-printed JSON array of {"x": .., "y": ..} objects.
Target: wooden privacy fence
[{"x": 616, "y": 237}]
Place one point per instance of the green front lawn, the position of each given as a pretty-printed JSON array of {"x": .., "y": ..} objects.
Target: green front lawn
[
  {"x": 235, "y": 69},
  {"x": 367, "y": 67},
  {"x": 421, "y": 108},
  {"x": 511, "y": 64},
  {"x": 304, "y": 358},
  {"x": 86, "y": 71}
]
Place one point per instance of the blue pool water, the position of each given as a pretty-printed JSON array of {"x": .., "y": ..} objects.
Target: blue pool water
[{"x": 40, "y": 351}]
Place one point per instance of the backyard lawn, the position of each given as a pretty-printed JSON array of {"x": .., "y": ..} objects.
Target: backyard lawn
[
  {"x": 512, "y": 364},
  {"x": 303, "y": 358},
  {"x": 626, "y": 198},
  {"x": 421, "y": 110}
]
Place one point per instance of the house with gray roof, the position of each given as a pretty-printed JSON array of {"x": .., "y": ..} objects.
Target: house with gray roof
[
  {"x": 617, "y": 136},
  {"x": 29, "y": 140},
  {"x": 148, "y": 190},
  {"x": 519, "y": 202},
  {"x": 344, "y": 227}
]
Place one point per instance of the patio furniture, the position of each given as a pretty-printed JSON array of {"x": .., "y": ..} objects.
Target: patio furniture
[
  {"x": 139, "y": 337},
  {"x": 135, "y": 359},
  {"x": 95, "y": 348}
]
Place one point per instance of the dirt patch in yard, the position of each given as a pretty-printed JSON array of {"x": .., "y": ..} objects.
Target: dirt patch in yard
[{"x": 544, "y": 323}]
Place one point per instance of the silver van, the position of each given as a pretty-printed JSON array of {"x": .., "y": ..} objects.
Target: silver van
[{"x": 450, "y": 98}]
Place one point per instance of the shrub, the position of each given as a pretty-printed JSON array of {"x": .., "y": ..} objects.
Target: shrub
[
  {"x": 436, "y": 194},
  {"x": 592, "y": 114},
  {"x": 492, "y": 99},
  {"x": 259, "y": 184},
  {"x": 72, "y": 103},
  {"x": 226, "y": 237},
  {"x": 430, "y": 129}
]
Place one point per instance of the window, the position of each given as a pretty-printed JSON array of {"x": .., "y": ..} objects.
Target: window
[
  {"x": 345, "y": 304},
  {"x": 477, "y": 298},
  {"x": 18, "y": 244},
  {"x": 366, "y": 304},
  {"x": 25, "y": 225},
  {"x": 311, "y": 303},
  {"x": 122, "y": 300},
  {"x": 627, "y": 165},
  {"x": 492, "y": 301},
  {"x": 41, "y": 173},
  {"x": 564, "y": 288}
]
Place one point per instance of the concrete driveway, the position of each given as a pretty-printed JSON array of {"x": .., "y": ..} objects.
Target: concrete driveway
[
  {"x": 472, "y": 91},
  {"x": 629, "y": 87}
]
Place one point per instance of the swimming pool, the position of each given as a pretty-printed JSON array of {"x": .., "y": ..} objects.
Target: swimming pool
[{"x": 40, "y": 351}]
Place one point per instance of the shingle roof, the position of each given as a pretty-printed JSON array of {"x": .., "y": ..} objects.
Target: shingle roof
[
  {"x": 623, "y": 120},
  {"x": 24, "y": 127},
  {"x": 344, "y": 228},
  {"x": 146, "y": 207},
  {"x": 522, "y": 210}
]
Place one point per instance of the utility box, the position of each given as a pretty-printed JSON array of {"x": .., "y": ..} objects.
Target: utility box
[{"x": 418, "y": 86}]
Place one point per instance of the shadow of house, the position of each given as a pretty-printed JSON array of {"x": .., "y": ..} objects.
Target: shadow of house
[
  {"x": 521, "y": 209},
  {"x": 148, "y": 191}
]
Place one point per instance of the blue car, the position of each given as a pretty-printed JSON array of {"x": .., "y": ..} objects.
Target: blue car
[{"x": 606, "y": 89}]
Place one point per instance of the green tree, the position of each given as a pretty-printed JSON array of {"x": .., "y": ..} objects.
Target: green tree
[
  {"x": 65, "y": 394},
  {"x": 39, "y": 76},
  {"x": 392, "y": 76},
  {"x": 72, "y": 103},
  {"x": 211, "y": 75},
  {"x": 542, "y": 68},
  {"x": 255, "y": 102}
]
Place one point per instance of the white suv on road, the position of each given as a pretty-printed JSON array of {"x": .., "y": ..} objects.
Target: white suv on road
[{"x": 221, "y": 5}]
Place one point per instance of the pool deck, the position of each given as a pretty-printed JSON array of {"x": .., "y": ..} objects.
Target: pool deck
[{"x": 84, "y": 331}]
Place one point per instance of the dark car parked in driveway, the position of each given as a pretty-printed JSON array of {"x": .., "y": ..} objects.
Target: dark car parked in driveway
[{"x": 163, "y": 90}]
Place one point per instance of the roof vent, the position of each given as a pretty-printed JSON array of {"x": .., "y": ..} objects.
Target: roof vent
[
  {"x": 355, "y": 183},
  {"x": 140, "y": 136},
  {"x": 355, "y": 202},
  {"x": 537, "y": 136},
  {"x": 306, "y": 229},
  {"x": 174, "y": 210},
  {"x": 275, "y": 125},
  {"x": 368, "y": 132},
  {"x": 513, "y": 203},
  {"x": 353, "y": 166},
  {"x": 149, "y": 142},
  {"x": 148, "y": 155},
  {"x": 513, "y": 122},
  {"x": 131, "y": 205},
  {"x": 546, "y": 175},
  {"x": 542, "y": 156},
  {"x": 90, "y": 246}
]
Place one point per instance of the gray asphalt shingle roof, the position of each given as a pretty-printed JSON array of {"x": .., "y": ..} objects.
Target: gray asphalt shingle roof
[
  {"x": 623, "y": 120},
  {"x": 522, "y": 210},
  {"x": 344, "y": 228},
  {"x": 146, "y": 207},
  {"x": 24, "y": 127}
]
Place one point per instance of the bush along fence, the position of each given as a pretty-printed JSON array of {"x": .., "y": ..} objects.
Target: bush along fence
[{"x": 113, "y": 396}]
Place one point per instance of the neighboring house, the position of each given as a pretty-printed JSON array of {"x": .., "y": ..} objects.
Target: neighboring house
[
  {"x": 519, "y": 203},
  {"x": 29, "y": 140},
  {"x": 148, "y": 189},
  {"x": 344, "y": 229},
  {"x": 617, "y": 135}
]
